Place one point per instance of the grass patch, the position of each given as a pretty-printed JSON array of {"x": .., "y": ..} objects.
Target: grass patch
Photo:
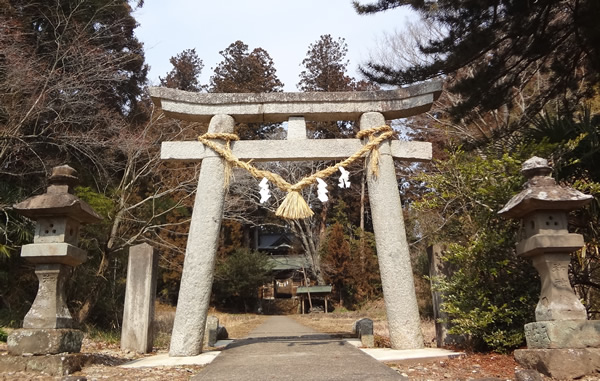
[
  {"x": 3, "y": 335},
  {"x": 107, "y": 336}
]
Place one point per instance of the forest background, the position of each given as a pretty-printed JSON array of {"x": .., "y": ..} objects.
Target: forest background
[{"x": 520, "y": 79}]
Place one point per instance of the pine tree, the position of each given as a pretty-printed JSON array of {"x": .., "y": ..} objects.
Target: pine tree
[
  {"x": 502, "y": 45},
  {"x": 325, "y": 69}
]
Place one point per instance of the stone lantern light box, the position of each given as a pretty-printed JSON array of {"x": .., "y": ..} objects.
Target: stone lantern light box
[
  {"x": 543, "y": 207},
  {"x": 58, "y": 215}
]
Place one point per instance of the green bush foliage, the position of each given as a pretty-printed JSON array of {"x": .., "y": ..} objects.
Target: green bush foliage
[
  {"x": 3, "y": 335},
  {"x": 491, "y": 293},
  {"x": 238, "y": 278}
]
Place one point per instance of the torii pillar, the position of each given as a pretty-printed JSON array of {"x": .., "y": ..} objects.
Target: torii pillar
[{"x": 371, "y": 109}]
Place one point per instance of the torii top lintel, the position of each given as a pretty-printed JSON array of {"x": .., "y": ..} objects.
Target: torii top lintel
[{"x": 279, "y": 107}]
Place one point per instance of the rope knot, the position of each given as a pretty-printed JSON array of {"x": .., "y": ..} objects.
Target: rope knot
[
  {"x": 204, "y": 139},
  {"x": 219, "y": 135},
  {"x": 386, "y": 132}
]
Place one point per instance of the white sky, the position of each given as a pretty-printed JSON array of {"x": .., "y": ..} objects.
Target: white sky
[{"x": 283, "y": 28}]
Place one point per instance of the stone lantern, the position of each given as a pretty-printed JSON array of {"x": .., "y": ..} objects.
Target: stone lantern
[
  {"x": 561, "y": 328},
  {"x": 47, "y": 327},
  {"x": 543, "y": 207}
]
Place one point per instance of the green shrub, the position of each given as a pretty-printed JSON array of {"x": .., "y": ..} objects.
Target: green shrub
[
  {"x": 492, "y": 293},
  {"x": 238, "y": 278}
]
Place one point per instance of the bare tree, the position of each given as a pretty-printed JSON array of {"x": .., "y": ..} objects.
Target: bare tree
[{"x": 243, "y": 202}]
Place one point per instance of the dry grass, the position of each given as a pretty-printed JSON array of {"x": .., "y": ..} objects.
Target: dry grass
[
  {"x": 164, "y": 316},
  {"x": 340, "y": 323},
  {"x": 237, "y": 325}
]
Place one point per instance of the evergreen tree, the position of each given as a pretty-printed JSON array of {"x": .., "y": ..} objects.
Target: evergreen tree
[
  {"x": 245, "y": 72},
  {"x": 492, "y": 292},
  {"x": 503, "y": 45},
  {"x": 185, "y": 74},
  {"x": 325, "y": 69},
  {"x": 338, "y": 258},
  {"x": 238, "y": 278},
  {"x": 325, "y": 66}
]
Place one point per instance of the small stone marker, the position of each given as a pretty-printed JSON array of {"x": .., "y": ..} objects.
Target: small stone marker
[
  {"x": 140, "y": 294},
  {"x": 212, "y": 326},
  {"x": 363, "y": 329},
  {"x": 215, "y": 331}
]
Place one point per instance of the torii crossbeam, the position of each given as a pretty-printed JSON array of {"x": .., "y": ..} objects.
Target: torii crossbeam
[{"x": 371, "y": 109}]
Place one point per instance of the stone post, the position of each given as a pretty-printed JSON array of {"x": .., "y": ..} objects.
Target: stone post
[
  {"x": 392, "y": 247},
  {"x": 212, "y": 327},
  {"x": 363, "y": 329},
  {"x": 140, "y": 294},
  {"x": 199, "y": 263},
  {"x": 47, "y": 326}
]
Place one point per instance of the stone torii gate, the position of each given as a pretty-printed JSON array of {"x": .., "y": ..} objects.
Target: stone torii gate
[{"x": 371, "y": 109}]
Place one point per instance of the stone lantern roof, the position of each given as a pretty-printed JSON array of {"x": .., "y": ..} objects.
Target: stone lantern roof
[
  {"x": 542, "y": 193},
  {"x": 59, "y": 199}
]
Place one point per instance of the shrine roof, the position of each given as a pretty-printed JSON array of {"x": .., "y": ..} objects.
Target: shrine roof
[
  {"x": 313, "y": 290},
  {"x": 289, "y": 262}
]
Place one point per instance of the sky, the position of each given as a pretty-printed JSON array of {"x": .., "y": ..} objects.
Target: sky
[{"x": 284, "y": 28}]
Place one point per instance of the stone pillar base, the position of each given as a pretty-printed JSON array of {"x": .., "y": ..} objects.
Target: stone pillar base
[
  {"x": 563, "y": 334},
  {"x": 47, "y": 365},
  {"x": 44, "y": 341},
  {"x": 563, "y": 364}
]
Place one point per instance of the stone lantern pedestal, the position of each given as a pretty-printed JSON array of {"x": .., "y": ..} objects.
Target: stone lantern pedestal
[
  {"x": 561, "y": 343},
  {"x": 48, "y": 326}
]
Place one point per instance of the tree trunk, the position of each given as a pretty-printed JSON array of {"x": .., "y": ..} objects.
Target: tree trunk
[
  {"x": 95, "y": 290},
  {"x": 303, "y": 230}
]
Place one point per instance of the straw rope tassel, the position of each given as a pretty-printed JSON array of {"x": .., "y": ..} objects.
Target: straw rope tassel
[{"x": 294, "y": 206}]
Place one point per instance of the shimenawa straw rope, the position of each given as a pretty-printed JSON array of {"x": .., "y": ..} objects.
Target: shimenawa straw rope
[{"x": 294, "y": 206}]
